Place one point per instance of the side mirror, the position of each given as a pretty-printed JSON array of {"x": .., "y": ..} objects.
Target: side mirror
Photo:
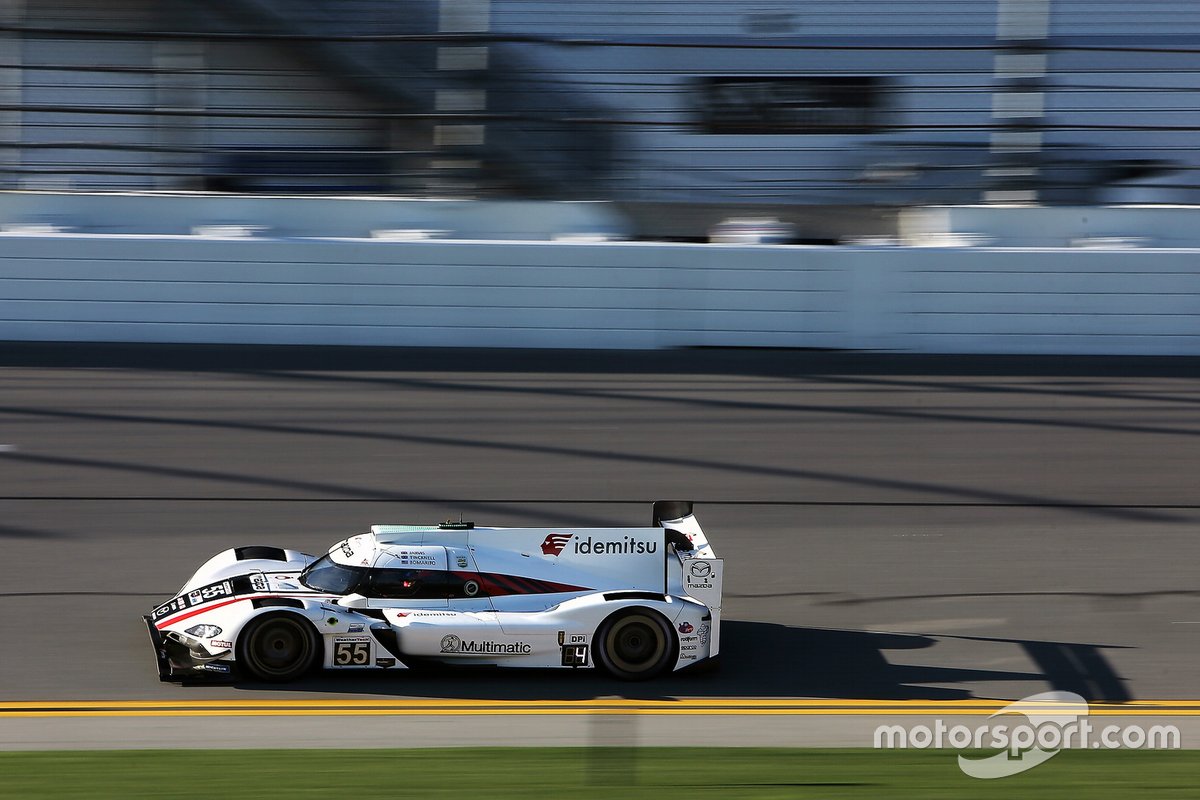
[{"x": 352, "y": 601}]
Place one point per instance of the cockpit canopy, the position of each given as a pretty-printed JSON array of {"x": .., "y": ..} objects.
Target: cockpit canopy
[{"x": 397, "y": 572}]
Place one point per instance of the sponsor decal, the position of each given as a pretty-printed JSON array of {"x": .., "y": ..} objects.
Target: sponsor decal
[
  {"x": 259, "y": 583},
  {"x": 385, "y": 662},
  {"x": 428, "y": 614},
  {"x": 356, "y": 627},
  {"x": 347, "y": 550},
  {"x": 688, "y": 647},
  {"x": 554, "y": 543},
  {"x": 688, "y": 639},
  {"x": 627, "y": 546},
  {"x": 178, "y": 604},
  {"x": 194, "y": 598},
  {"x": 686, "y": 627},
  {"x": 699, "y": 575},
  {"x": 572, "y": 638},
  {"x": 703, "y": 632},
  {"x": 454, "y": 644},
  {"x": 332, "y": 621},
  {"x": 461, "y": 561},
  {"x": 221, "y": 668},
  {"x": 220, "y": 644},
  {"x": 688, "y": 657}
]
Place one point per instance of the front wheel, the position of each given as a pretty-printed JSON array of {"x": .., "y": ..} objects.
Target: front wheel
[
  {"x": 635, "y": 645},
  {"x": 277, "y": 648}
]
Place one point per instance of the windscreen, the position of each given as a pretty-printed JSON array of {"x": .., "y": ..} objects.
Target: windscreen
[{"x": 323, "y": 575}]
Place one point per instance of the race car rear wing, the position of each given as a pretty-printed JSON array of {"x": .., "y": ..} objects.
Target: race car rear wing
[
  {"x": 703, "y": 572},
  {"x": 676, "y": 515}
]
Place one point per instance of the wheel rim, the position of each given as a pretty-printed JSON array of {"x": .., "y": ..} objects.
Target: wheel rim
[
  {"x": 280, "y": 647},
  {"x": 635, "y": 644}
]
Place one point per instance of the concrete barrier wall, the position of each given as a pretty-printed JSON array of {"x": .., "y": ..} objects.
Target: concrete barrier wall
[
  {"x": 280, "y": 217},
  {"x": 597, "y": 295}
]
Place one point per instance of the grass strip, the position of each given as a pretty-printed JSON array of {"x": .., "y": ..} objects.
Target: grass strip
[{"x": 555, "y": 773}]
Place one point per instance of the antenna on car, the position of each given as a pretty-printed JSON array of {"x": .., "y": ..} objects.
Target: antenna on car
[{"x": 451, "y": 525}]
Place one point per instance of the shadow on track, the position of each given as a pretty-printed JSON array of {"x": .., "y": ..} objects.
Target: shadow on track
[
  {"x": 759, "y": 660},
  {"x": 768, "y": 362}
]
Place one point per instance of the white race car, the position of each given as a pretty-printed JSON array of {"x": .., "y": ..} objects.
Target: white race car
[{"x": 635, "y": 602}]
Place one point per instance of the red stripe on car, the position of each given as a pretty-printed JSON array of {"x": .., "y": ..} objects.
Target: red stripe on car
[
  {"x": 203, "y": 609},
  {"x": 497, "y": 584}
]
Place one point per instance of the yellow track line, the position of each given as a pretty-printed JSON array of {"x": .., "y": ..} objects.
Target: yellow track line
[
  {"x": 976, "y": 703},
  {"x": 457, "y": 707}
]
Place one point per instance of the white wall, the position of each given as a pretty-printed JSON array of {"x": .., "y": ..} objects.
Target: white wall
[
  {"x": 309, "y": 217},
  {"x": 613, "y": 295}
]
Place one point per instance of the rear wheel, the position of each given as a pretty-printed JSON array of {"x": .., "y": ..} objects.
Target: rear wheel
[
  {"x": 278, "y": 647},
  {"x": 635, "y": 645}
]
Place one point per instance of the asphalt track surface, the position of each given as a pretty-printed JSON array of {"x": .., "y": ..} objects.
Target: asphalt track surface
[{"x": 896, "y": 529}]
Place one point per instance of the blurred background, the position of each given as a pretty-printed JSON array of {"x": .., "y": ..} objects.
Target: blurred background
[{"x": 818, "y": 117}]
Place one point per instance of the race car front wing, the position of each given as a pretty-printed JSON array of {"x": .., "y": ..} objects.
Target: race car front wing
[{"x": 175, "y": 658}]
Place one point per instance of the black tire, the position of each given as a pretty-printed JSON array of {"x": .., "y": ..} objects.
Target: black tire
[
  {"x": 278, "y": 647},
  {"x": 635, "y": 645}
]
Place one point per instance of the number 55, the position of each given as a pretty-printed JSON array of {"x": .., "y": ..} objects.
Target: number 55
[{"x": 346, "y": 654}]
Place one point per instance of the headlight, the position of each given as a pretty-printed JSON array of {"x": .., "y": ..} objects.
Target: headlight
[{"x": 204, "y": 631}]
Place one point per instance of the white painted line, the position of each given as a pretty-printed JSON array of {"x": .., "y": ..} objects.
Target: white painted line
[{"x": 8, "y": 448}]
